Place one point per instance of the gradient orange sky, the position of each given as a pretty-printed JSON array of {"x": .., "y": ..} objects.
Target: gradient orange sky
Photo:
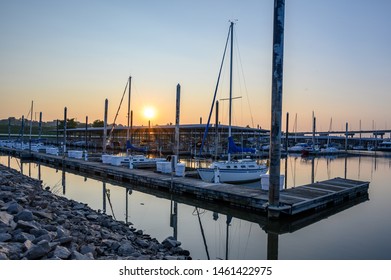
[{"x": 75, "y": 54}]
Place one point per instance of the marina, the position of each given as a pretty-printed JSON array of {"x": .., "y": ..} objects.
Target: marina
[{"x": 139, "y": 186}]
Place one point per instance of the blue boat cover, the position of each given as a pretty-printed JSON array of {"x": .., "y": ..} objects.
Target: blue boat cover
[
  {"x": 129, "y": 146},
  {"x": 232, "y": 148}
]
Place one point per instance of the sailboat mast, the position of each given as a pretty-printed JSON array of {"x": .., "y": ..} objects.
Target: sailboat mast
[
  {"x": 129, "y": 90},
  {"x": 230, "y": 88}
]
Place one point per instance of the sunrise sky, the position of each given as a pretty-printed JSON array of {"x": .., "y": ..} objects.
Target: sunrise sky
[{"x": 75, "y": 54}]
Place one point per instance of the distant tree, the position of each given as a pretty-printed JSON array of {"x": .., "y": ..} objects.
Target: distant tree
[
  {"x": 98, "y": 123},
  {"x": 71, "y": 123}
]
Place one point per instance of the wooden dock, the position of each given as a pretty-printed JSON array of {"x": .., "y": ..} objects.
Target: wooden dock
[{"x": 311, "y": 197}]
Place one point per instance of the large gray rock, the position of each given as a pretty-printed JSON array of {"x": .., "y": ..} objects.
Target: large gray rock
[
  {"x": 14, "y": 208},
  {"x": 38, "y": 251},
  {"x": 78, "y": 256},
  {"x": 126, "y": 248},
  {"x": 5, "y": 237},
  {"x": 23, "y": 236},
  {"x": 170, "y": 242},
  {"x": 25, "y": 215},
  {"x": 61, "y": 253},
  {"x": 5, "y": 218}
]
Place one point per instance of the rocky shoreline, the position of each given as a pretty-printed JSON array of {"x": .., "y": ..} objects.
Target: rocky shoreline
[{"x": 36, "y": 224}]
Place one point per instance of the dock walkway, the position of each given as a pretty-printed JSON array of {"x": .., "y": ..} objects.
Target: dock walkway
[{"x": 311, "y": 197}]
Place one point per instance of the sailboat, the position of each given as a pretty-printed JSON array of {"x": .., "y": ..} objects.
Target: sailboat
[
  {"x": 130, "y": 160},
  {"x": 232, "y": 171}
]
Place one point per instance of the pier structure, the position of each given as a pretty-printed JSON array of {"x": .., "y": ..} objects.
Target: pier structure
[{"x": 312, "y": 197}]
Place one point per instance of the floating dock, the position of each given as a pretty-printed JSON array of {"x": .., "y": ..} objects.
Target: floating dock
[{"x": 311, "y": 197}]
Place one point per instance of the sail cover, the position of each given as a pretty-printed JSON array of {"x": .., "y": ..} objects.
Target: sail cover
[{"x": 232, "y": 148}]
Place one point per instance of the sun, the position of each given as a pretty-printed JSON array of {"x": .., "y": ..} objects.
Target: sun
[{"x": 149, "y": 112}]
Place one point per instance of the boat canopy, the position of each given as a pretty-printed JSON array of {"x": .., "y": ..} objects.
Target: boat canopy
[{"x": 232, "y": 148}]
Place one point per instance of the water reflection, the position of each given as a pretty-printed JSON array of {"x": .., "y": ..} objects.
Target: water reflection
[{"x": 211, "y": 231}]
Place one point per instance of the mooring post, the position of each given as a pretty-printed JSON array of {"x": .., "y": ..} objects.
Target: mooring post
[
  {"x": 57, "y": 123},
  {"x": 105, "y": 127},
  {"x": 286, "y": 148},
  {"x": 346, "y": 137},
  {"x": 22, "y": 130},
  {"x": 313, "y": 130},
  {"x": 31, "y": 124},
  {"x": 131, "y": 126},
  {"x": 275, "y": 133},
  {"x": 9, "y": 129},
  {"x": 177, "y": 113},
  {"x": 217, "y": 130},
  {"x": 64, "y": 146},
  {"x": 86, "y": 133},
  {"x": 287, "y": 131},
  {"x": 40, "y": 125},
  {"x": 129, "y": 93}
]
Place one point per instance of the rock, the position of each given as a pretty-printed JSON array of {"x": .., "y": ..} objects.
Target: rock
[
  {"x": 6, "y": 218},
  {"x": 25, "y": 225},
  {"x": 38, "y": 251},
  {"x": 38, "y": 232},
  {"x": 126, "y": 248},
  {"x": 62, "y": 232},
  {"x": 43, "y": 214},
  {"x": 64, "y": 240},
  {"x": 142, "y": 243},
  {"x": 3, "y": 256},
  {"x": 25, "y": 215},
  {"x": 46, "y": 237},
  {"x": 90, "y": 248},
  {"x": 92, "y": 217},
  {"x": 170, "y": 242},
  {"x": 75, "y": 255},
  {"x": 14, "y": 208},
  {"x": 61, "y": 253},
  {"x": 23, "y": 236},
  {"x": 5, "y": 237}
]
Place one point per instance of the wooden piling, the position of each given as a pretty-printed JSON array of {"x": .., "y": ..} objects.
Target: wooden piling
[
  {"x": 65, "y": 132},
  {"x": 177, "y": 113},
  {"x": 105, "y": 126},
  {"x": 275, "y": 132}
]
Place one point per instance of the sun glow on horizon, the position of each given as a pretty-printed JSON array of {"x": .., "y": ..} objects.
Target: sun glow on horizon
[{"x": 149, "y": 112}]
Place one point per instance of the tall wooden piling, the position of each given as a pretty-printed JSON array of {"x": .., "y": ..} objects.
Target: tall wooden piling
[
  {"x": 86, "y": 133},
  {"x": 276, "y": 110},
  {"x": 346, "y": 137},
  {"x": 65, "y": 133},
  {"x": 105, "y": 126},
  {"x": 31, "y": 124},
  {"x": 40, "y": 125},
  {"x": 313, "y": 129},
  {"x": 22, "y": 129},
  {"x": 287, "y": 132},
  {"x": 177, "y": 114},
  {"x": 129, "y": 92},
  {"x": 217, "y": 130},
  {"x": 9, "y": 129}
]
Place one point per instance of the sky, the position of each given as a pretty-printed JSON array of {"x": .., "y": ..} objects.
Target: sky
[{"x": 75, "y": 54}]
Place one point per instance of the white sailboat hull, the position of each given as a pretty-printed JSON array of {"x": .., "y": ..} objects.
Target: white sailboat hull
[{"x": 231, "y": 176}]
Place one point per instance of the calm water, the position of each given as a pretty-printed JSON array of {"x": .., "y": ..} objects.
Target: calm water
[{"x": 361, "y": 231}]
